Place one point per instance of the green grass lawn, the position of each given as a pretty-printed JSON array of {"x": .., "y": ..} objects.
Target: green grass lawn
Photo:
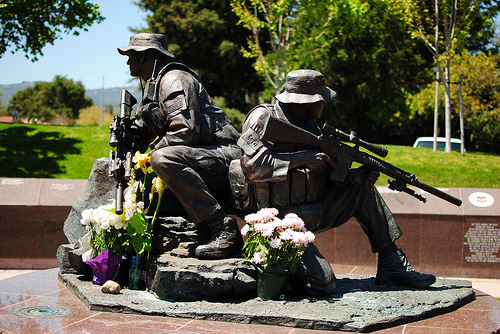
[
  {"x": 68, "y": 152},
  {"x": 45, "y": 151}
]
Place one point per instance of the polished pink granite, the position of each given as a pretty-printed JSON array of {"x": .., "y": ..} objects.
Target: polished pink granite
[
  {"x": 42, "y": 289},
  {"x": 32, "y": 213}
]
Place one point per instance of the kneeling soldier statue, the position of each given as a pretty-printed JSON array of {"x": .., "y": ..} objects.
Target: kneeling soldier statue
[{"x": 294, "y": 178}]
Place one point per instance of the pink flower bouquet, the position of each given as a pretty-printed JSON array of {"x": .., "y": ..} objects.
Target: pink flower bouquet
[{"x": 271, "y": 241}]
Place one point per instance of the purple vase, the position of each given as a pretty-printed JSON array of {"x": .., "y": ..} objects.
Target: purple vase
[{"x": 106, "y": 266}]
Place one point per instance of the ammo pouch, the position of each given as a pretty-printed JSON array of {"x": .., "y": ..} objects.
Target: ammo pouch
[
  {"x": 216, "y": 128},
  {"x": 242, "y": 191}
]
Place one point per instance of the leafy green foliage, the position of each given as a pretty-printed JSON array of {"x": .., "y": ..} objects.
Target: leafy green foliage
[
  {"x": 1, "y": 103},
  {"x": 372, "y": 66},
  {"x": 47, "y": 100},
  {"x": 30, "y": 25},
  {"x": 470, "y": 22},
  {"x": 140, "y": 233},
  {"x": 288, "y": 34},
  {"x": 92, "y": 115},
  {"x": 203, "y": 34},
  {"x": 366, "y": 49},
  {"x": 447, "y": 28}
]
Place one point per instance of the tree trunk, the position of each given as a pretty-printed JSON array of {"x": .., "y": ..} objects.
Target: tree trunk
[{"x": 447, "y": 104}]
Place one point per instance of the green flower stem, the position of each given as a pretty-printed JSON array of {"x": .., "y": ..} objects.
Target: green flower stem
[{"x": 156, "y": 211}]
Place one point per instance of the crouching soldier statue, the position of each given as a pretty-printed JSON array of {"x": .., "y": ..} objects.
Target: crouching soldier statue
[{"x": 195, "y": 141}]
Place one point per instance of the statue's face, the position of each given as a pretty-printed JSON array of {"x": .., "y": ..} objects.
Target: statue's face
[
  {"x": 314, "y": 110},
  {"x": 133, "y": 64}
]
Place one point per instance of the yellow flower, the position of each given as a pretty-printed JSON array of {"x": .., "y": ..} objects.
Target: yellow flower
[
  {"x": 141, "y": 161},
  {"x": 159, "y": 186}
]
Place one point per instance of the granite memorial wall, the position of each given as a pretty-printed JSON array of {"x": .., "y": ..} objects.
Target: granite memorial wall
[{"x": 439, "y": 238}]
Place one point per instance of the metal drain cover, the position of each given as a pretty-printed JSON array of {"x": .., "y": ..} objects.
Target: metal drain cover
[{"x": 43, "y": 311}]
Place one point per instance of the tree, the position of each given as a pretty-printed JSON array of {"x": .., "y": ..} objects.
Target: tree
[
  {"x": 1, "y": 103},
  {"x": 203, "y": 34},
  {"x": 30, "y": 25},
  {"x": 47, "y": 100},
  {"x": 448, "y": 25},
  {"x": 288, "y": 34}
]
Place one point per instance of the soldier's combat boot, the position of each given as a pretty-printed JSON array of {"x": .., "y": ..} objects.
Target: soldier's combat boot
[
  {"x": 225, "y": 242},
  {"x": 394, "y": 269}
]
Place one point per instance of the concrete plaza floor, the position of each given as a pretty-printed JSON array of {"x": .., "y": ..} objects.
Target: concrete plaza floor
[{"x": 36, "y": 302}]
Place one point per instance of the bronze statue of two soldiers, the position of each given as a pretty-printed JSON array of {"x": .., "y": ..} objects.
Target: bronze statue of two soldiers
[{"x": 196, "y": 144}]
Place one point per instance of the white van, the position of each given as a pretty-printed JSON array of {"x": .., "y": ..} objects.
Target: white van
[{"x": 428, "y": 142}]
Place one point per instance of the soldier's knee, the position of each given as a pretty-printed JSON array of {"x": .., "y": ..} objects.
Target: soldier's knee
[{"x": 155, "y": 159}]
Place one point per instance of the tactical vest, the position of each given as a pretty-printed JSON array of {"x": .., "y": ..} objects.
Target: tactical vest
[{"x": 215, "y": 127}]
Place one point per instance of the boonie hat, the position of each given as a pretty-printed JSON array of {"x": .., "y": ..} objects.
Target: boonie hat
[
  {"x": 145, "y": 41},
  {"x": 305, "y": 86}
]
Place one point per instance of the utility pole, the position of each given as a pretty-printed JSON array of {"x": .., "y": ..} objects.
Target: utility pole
[{"x": 102, "y": 97}]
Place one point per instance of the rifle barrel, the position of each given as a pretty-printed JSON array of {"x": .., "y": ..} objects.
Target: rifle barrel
[
  {"x": 437, "y": 192},
  {"x": 403, "y": 176}
]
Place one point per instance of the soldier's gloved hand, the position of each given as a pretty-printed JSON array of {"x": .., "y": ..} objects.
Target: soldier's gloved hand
[
  {"x": 313, "y": 160},
  {"x": 365, "y": 176}
]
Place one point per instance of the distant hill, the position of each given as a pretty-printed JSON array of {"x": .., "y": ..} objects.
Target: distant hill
[{"x": 111, "y": 95}]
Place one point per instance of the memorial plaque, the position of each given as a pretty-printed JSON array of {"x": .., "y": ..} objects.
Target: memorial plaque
[
  {"x": 481, "y": 201},
  {"x": 483, "y": 243}
]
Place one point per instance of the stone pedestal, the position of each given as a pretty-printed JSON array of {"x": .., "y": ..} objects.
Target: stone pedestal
[{"x": 190, "y": 279}]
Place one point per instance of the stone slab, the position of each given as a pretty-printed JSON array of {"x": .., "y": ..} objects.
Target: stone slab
[
  {"x": 31, "y": 232},
  {"x": 16, "y": 191},
  {"x": 356, "y": 305}
]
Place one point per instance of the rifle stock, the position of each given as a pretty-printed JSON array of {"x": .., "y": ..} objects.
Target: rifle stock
[{"x": 276, "y": 130}]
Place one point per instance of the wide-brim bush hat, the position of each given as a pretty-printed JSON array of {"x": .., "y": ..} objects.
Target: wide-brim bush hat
[
  {"x": 145, "y": 41},
  {"x": 305, "y": 86}
]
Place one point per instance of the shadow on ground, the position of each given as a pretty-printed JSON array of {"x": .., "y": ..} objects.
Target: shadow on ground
[{"x": 30, "y": 152}]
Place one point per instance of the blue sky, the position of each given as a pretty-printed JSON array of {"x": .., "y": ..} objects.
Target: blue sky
[{"x": 87, "y": 57}]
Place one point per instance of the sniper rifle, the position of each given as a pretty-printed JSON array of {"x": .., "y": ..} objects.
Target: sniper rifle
[{"x": 343, "y": 155}]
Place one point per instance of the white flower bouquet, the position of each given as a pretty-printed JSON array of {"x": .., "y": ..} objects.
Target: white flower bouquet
[
  {"x": 131, "y": 230},
  {"x": 270, "y": 241}
]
